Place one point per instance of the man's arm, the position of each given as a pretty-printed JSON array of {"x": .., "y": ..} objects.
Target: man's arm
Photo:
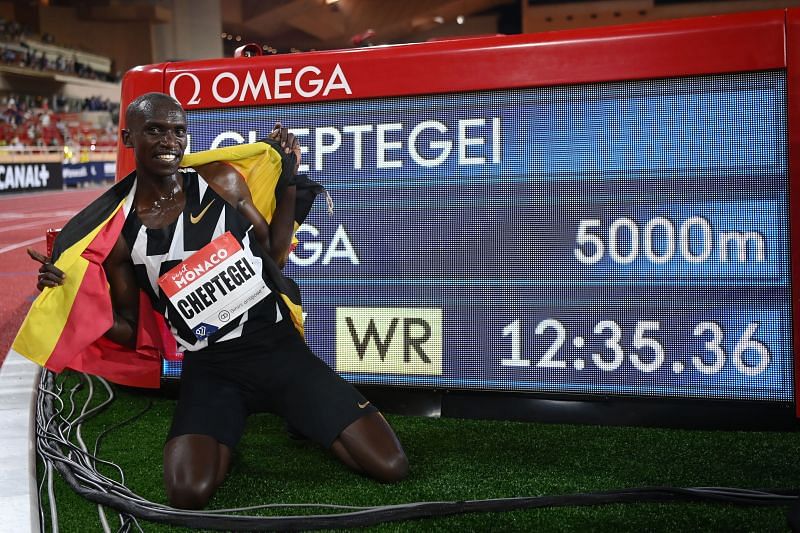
[
  {"x": 274, "y": 237},
  {"x": 124, "y": 295},
  {"x": 282, "y": 227}
]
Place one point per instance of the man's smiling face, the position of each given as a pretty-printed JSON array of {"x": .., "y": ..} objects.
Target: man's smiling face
[{"x": 156, "y": 130}]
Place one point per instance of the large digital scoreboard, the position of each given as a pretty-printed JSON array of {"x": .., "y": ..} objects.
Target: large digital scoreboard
[{"x": 604, "y": 212}]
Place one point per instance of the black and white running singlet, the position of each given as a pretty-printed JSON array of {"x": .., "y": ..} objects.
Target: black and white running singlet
[{"x": 156, "y": 251}]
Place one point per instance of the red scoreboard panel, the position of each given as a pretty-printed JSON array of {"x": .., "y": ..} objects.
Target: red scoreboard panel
[{"x": 599, "y": 213}]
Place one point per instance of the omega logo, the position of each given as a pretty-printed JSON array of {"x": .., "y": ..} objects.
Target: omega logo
[
  {"x": 258, "y": 86},
  {"x": 194, "y": 100}
]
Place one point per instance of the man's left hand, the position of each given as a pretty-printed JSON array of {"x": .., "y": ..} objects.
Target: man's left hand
[{"x": 287, "y": 141}]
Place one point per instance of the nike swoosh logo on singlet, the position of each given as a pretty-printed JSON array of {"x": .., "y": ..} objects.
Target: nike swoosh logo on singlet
[{"x": 195, "y": 219}]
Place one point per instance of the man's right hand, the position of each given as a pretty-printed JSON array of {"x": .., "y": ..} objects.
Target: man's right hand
[{"x": 49, "y": 275}]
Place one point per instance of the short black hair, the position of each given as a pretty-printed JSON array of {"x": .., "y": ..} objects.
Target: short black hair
[{"x": 145, "y": 103}]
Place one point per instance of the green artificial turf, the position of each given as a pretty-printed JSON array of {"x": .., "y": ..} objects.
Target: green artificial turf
[{"x": 455, "y": 459}]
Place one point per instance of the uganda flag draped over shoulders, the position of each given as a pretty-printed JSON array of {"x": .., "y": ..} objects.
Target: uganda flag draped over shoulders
[{"x": 65, "y": 325}]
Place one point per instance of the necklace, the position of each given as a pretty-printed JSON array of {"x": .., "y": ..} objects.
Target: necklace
[{"x": 164, "y": 200}]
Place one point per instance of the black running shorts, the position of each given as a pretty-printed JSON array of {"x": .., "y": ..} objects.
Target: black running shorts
[{"x": 271, "y": 370}]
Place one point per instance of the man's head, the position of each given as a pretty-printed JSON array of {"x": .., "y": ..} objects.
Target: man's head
[{"x": 156, "y": 130}]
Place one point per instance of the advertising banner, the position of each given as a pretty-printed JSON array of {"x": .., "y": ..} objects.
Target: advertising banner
[{"x": 26, "y": 177}]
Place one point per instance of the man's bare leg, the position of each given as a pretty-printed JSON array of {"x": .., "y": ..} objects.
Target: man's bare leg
[
  {"x": 194, "y": 466},
  {"x": 370, "y": 446}
]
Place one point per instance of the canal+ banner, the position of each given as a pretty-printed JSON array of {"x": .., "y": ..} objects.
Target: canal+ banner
[{"x": 24, "y": 177}]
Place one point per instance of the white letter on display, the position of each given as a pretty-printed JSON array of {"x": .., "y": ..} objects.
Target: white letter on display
[
  {"x": 383, "y": 145},
  {"x": 314, "y": 247},
  {"x": 194, "y": 100},
  {"x": 320, "y": 148},
  {"x": 464, "y": 141},
  {"x": 357, "y": 151},
  {"x": 279, "y": 82},
  {"x": 215, "y": 87},
  {"x": 315, "y": 83},
  {"x": 444, "y": 147},
  {"x": 337, "y": 81},
  {"x": 347, "y": 252},
  {"x": 496, "y": 140},
  {"x": 249, "y": 85}
]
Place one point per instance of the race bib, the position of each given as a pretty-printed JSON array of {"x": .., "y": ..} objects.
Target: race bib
[{"x": 215, "y": 285}]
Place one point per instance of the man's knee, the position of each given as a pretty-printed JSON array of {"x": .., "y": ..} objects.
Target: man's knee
[
  {"x": 373, "y": 446},
  {"x": 194, "y": 466},
  {"x": 394, "y": 468},
  {"x": 189, "y": 494}
]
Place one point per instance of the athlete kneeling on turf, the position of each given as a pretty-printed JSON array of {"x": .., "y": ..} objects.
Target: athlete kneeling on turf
[{"x": 254, "y": 360}]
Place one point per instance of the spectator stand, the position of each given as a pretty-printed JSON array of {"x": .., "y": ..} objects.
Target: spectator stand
[
  {"x": 83, "y": 143},
  {"x": 58, "y": 106}
]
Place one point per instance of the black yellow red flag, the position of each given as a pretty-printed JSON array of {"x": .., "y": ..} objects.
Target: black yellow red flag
[{"x": 65, "y": 325}]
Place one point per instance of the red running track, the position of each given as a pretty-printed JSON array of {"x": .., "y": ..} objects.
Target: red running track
[{"x": 24, "y": 218}]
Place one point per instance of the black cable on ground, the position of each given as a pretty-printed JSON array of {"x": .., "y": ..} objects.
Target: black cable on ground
[{"x": 78, "y": 472}]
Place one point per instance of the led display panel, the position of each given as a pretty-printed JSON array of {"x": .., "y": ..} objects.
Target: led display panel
[{"x": 626, "y": 238}]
